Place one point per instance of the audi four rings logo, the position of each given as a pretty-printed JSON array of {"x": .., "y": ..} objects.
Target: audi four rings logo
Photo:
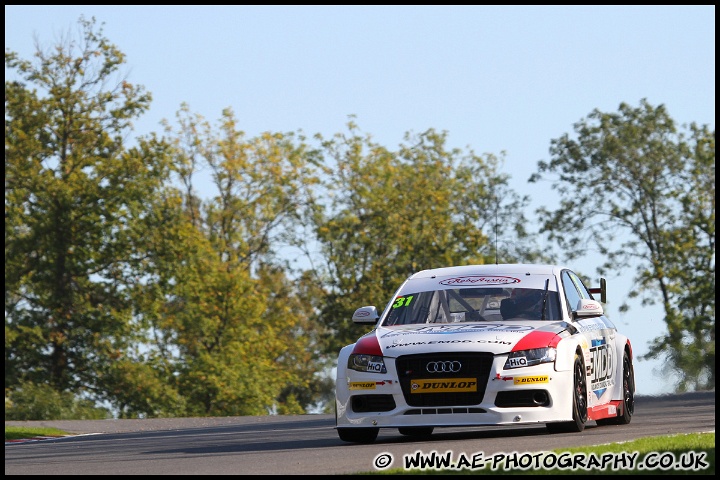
[{"x": 444, "y": 367}]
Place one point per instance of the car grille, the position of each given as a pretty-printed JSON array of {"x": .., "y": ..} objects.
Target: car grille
[
  {"x": 472, "y": 365},
  {"x": 444, "y": 411}
]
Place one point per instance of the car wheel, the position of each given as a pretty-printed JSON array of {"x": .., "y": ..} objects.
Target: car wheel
[
  {"x": 358, "y": 435},
  {"x": 416, "y": 431},
  {"x": 628, "y": 401},
  {"x": 579, "y": 414}
]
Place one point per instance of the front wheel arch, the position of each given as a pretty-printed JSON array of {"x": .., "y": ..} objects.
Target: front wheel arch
[{"x": 579, "y": 400}]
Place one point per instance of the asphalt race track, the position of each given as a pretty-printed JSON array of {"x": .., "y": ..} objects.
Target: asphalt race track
[{"x": 308, "y": 444}]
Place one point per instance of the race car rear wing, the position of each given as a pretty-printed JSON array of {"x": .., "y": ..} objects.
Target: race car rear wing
[{"x": 602, "y": 290}]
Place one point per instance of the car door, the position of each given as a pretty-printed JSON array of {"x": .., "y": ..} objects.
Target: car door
[{"x": 599, "y": 339}]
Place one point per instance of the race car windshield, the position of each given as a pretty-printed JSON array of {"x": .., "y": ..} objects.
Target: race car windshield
[{"x": 473, "y": 305}]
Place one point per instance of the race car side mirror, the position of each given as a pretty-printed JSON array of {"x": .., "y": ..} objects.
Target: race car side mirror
[
  {"x": 602, "y": 290},
  {"x": 366, "y": 315},
  {"x": 587, "y": 308}
]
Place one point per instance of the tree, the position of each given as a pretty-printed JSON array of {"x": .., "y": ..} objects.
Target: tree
[
  {"x": 231, "y": 331},
  {"x": 643, "y": 193},
  {"x": 389, "y": 214},
  {"x": 42, "y": 402},
  {"x": 73, "y": 196}
]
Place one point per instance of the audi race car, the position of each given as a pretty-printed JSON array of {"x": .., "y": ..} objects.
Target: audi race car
[{"x": 485, "y": 345}]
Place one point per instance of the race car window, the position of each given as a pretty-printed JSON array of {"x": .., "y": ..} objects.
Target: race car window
[
  {"x": 467, "y": 305},
  {"x": 421, "y": 307},
  {"x": 584, "y": 293},
  {"x": 572, "y": 295},
  {"x": 531, "y": 304}
]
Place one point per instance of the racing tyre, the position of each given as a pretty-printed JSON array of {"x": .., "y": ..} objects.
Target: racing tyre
[
  {"x": 628, "y": 401},
  {"x": 580, "y": 405},
  {"x": 358, "y": 435},
  {"x": 416, "y": 431}
]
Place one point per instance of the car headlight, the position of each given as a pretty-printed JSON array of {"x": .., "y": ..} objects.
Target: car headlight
[
  {"x": 528, "y": 358},
  {"x": 363, "y": 362}
]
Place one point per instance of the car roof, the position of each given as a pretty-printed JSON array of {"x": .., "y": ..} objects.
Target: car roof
[
  {"x": 492, "y": 269},
  {"x": 518, "y": 275}
]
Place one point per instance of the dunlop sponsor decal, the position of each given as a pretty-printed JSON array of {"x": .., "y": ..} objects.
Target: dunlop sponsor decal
[
  {"x": 437, "y": 386},
  {"x": 361, "y": 386},
  {"x": 531, "y": 379}
]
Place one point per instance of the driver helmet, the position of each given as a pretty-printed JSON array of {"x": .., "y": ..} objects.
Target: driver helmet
[{"x": 526, "y": 298}]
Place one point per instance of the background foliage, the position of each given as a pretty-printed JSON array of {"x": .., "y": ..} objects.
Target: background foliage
[{"x": 634, "y": 175}]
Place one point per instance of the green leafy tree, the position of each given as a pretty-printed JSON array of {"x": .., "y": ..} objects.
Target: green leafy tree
[
  {"x": 389, "y": 214},
  {"x": 642, "y": 192},
  {"x": 73, "y": 196},
  {"x": 230, "y": 329}
]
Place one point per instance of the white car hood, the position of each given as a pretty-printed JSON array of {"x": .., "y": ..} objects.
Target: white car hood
[{"x": 496, "y": 338}]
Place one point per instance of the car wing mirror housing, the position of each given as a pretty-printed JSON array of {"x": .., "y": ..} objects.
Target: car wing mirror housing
[
  {"x": 587, "y": 308},
  {"x": 366, "y": 315},
  {"x": 602, "y": 290}
]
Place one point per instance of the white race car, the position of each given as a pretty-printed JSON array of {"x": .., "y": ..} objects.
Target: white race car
[{"x": 485, "y": 345}]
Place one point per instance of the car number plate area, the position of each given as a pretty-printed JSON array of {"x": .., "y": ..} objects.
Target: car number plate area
[{"x": 434, "y": 385}]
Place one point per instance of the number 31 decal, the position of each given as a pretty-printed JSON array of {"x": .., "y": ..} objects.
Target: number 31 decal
[{"x": 402, "y": 301}]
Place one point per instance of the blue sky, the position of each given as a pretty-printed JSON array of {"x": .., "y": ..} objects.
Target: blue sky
[{"x": 496, "y": 78}]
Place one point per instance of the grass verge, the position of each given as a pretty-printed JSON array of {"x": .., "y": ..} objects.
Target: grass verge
[{"x": 19, "y": 433}]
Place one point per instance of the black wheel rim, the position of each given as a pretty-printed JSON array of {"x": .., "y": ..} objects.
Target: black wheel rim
[
  {"x": 580, "y": 391},
  {"x": 628, "y": 397}
]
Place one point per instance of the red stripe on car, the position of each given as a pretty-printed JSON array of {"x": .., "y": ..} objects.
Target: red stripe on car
[
  {"x": 367, "y": 345},
  {"x": 537, "y": 339}
]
